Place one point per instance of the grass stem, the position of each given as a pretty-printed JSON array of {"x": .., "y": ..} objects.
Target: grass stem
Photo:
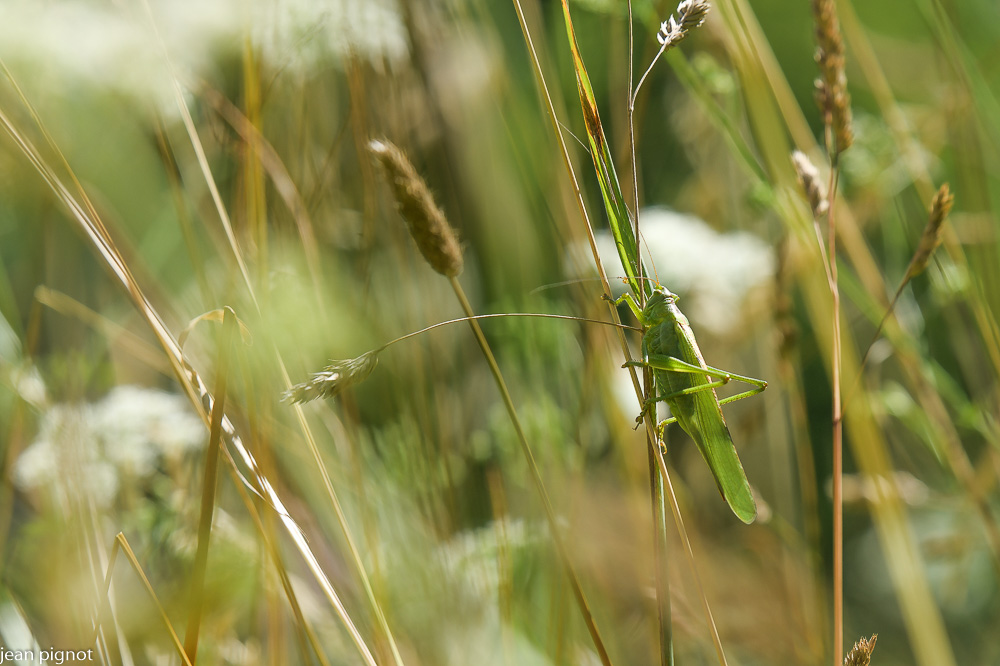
[
  {"x": 208, "y": 489},
  {"x": 536, "y": 477}
]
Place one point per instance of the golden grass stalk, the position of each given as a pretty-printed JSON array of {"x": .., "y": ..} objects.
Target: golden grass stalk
[
  {"x": 276, "y": 170},
  {"x": 831, "y": 87},
  {"x": 429, "y": 227},
  {"x": 835, "y": 102},
  {"x": 121, "y": 544},
  {"x": 550, "y": 516},
  {"x": 861, "y": 655},
  {"x": 690, "y": 16},
  {"x": 142, "y": 351},
  {"x": 116, "y": 334},
  {"x": 232, "y": 438},
  {"x": 208, "y": 489},
  {"x": 310, "y": 440}
]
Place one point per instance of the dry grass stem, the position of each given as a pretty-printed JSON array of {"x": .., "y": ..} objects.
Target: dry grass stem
[
  {"x": 340, "y": 374},
  {"x": 831, "y": 87},
  {"x": 861, "y": 654},
  {"x": 429, "y": 227},
  {"x": 209, "y": 485},
  {"x": 121, "y": 544},
  {"x": 811, "y": 183},
  {"x": 931, "y": 238}
]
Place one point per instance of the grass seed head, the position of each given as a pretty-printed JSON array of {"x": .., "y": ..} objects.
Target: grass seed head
[
  {"x": 334, "y": 378},
  {"x": 690, "y": 15},
  {"x": 861, "y": 655},
  {"x": 931, "y": 238},
  {"x": 429, "y": 227},
  {"x": 811, "y": 183},
  {"x": 831, "y": 88}
]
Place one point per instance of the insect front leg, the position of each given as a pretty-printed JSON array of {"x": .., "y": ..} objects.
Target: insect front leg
[
  {"x": 660, "y": 426},
  {"x": 628, "y": 299},
  {"x": 649, "y": 406}
]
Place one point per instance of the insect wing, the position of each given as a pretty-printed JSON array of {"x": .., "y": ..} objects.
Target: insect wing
[
  {"x": 716, "y": 446},
  {"x": 703, "y": 420}
]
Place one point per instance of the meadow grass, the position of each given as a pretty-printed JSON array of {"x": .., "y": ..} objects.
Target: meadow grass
[{"x": 195, "y": 200}]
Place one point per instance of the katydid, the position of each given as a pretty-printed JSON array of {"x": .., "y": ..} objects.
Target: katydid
[{"x": 688, "y": 386}]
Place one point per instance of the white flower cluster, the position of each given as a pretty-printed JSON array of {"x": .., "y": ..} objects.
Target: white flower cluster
[
  {"x": 118, "y": 45},
  {"x": 370, "y": 29},
  {"x": 714, "y": 273},
  {"x": 471, "y": 556},
  {"x": 85, "y": 449}
]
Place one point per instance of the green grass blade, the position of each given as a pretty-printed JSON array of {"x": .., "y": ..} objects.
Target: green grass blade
[{"x": 611, "y": 191}]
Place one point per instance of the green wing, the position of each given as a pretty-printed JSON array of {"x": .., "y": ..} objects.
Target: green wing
[
  {"x": 698, "y": 412},
  {"x": 709, "y": 431}
]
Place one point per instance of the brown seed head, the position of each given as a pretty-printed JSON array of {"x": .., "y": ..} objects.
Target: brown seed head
[
  {"x": 861, "y": 655},
  {"x": 831, "y": 88},
  {"x": 430, "y": 229},
  {"x": 931, "y": 238}
]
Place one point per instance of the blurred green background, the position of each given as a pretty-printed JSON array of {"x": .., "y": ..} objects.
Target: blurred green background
[{"x": 170, "y": 113}]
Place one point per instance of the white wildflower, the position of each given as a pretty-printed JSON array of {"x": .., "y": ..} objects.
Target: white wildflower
[
  {"x": 371, "y": 29},
  {"x": 81, "y": 449},
  {"x": 115, "y": 46},
  {"x": 63, "y": 460},
  {"x": 100, "y": 480},
  {"x": 36, "y": 466},
  {"x": 714, "y": 273},
  {"x": 471, "y": 556},
  {"x": 137, "y": 426}
]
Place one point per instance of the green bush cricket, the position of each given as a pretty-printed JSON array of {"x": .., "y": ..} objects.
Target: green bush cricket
[{"x": 687, "y": 384}]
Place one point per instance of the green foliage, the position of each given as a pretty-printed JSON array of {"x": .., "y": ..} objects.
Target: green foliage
[{"x": 422, "y": 455}]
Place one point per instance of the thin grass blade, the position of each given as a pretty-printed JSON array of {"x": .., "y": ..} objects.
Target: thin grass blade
[{"x": 614, "y": 203}]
